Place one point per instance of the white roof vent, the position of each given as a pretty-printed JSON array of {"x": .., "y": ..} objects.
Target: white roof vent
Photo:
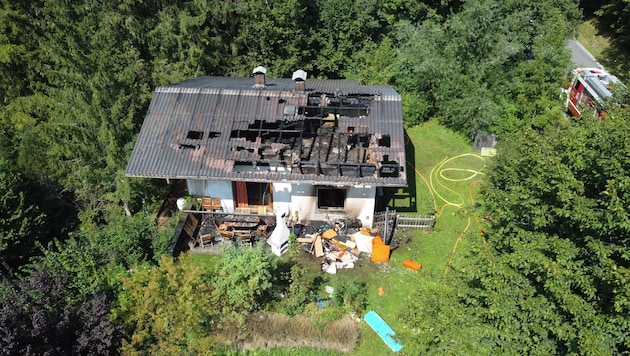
[
  {"x": 299, "y": 75},
  {"x": 260, "y": 69}
]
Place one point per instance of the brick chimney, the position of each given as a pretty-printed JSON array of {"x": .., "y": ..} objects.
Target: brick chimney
[
  {"x": 299, "y": 78},
  {"x": 259, "y": 76}
]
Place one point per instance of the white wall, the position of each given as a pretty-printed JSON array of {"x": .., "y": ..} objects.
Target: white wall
[
  {"x": 359, "y": 204},
  {"x": 289, "y": 198},
  {"x": 282, "y": 197},
  {"x": 304, "y": 201},
  {"x": 213, "y": 189}
]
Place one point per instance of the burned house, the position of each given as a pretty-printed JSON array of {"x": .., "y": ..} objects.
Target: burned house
[{"x": 315, "y": 149}]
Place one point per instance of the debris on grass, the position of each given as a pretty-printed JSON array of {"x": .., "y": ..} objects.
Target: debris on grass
[
  {"x": 413, "y": 265},
  {"x": 341, "y": 245}
]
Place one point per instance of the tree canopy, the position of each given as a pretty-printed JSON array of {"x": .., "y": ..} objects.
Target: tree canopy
[{"x": 555, "y": 275}]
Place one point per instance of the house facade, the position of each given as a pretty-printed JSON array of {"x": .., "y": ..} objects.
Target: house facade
[{"x": 315, "y": 149}]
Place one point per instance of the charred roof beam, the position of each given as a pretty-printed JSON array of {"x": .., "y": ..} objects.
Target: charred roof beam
[{"x": 330, "y": 141}]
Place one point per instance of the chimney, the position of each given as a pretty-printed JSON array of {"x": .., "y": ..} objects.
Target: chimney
[
  {"x": 299, "y": 77},
  {"x": 259, "y": 76}
]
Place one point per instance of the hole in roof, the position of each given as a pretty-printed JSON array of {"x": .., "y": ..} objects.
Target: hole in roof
[
  {"x": 390, "y": 171},
  {"x": 213, "y": 134},
  {"x": 385, "y": 141},
  {"x": 188, "y": 147},
  {"x": 195, "y": 135},
  {"x": 281, "y": 101},
  {"x": 241, "y": 148}
]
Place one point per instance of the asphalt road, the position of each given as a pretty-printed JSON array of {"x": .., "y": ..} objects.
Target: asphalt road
[{"x": 581, "y": 57}]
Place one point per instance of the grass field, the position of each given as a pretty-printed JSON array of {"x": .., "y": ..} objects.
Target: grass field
[{"x": 441, "y": 171}]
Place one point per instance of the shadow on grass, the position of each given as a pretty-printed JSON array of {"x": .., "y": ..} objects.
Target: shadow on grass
[
  {"x": 403, "y": 199},
  {"x": 617, "y": 59}
]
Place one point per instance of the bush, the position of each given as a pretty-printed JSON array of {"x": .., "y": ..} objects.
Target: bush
[
  {"x": 350, "y": 295},
  {"x": 166, "y": 309},
  {"x": 302, "y": 286},
  {"x": 243, "y": 282}
]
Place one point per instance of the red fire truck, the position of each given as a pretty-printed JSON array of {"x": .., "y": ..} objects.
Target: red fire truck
[{"x": 589, "y": 90}]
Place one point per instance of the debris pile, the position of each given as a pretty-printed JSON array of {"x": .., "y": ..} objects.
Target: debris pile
[{"x": 340, "y": 246}]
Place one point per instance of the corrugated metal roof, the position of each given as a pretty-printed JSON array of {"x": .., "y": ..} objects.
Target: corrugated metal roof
[{"x": 225, "y": 128}]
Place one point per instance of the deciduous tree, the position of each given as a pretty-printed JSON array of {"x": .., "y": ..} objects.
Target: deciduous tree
[
  {"x": 554, "y": 277},
  {"x": 38, "y": 318}
]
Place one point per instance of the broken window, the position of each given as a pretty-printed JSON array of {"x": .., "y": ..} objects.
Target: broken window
[{"x": 331, "y": 198}]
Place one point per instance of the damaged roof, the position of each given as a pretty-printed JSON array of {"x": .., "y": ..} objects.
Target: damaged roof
[{"x": 325, "y": 132}]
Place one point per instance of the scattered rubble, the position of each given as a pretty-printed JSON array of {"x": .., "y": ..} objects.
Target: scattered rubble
[{"x": 339, "y": 244}]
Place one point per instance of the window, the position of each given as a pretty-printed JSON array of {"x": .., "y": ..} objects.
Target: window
[
  {"x": 253, "y": 194},
  {"x": 331, "y": 198},
  {"x": 258, "y": 193}
]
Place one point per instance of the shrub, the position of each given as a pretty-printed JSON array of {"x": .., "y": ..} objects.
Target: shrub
[
  {"x": 243, "y": 282},
  {"x": 166, "y": 309},
  {"x": 38, "y": 316},
  {"x": 302, "y": 285},
  {"x": 350, "y": 295}
]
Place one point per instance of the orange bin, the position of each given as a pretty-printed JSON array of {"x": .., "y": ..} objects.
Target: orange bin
[
  {"x": 412, "y": 265},
  {"x": 380, "y": 251}
]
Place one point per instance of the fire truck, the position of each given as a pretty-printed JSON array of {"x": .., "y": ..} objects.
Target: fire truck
[{"x": 590, "y": 88}]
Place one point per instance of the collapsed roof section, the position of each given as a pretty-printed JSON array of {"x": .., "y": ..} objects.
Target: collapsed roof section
[{"x": 332, "y": 132}]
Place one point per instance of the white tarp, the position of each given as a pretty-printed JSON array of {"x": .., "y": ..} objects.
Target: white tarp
[{"x": 364, "y": 242}]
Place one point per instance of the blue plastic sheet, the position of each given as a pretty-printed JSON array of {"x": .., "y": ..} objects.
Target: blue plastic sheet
[{"x": 383, "y": 330}]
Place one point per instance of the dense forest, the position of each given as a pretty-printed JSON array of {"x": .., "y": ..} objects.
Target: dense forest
[{"x": 76, "y": 80}]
